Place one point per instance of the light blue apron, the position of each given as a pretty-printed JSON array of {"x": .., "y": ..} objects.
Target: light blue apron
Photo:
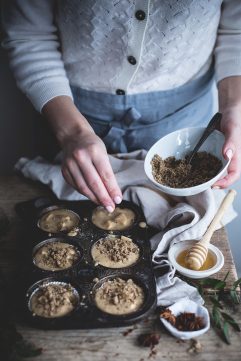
[{"x": 130, "y": 122}]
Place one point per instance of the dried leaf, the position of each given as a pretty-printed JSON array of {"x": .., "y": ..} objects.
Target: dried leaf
[
  {"x": 235, "y": 297},
  {"x": 225, "y": 333},
  {"x": 213, "y": 283},
  {"x": 231, "y": 321},
  {"x": 236, "y": 284},
  {"x": 216, "y": 317},
  {"x": 215, "y": 301},
  {"x": 226, "y": 276},
  {"x": 227, "y": 301},
  {"x": 219, "y": 285}
]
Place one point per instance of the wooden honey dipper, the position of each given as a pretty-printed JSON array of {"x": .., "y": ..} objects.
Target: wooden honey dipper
[{"x": 197, "y": 254}]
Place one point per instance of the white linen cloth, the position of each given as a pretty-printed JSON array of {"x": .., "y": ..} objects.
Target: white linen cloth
[
  {"x": 88, "y": 43},
  {"x": 159, "y": 209}
]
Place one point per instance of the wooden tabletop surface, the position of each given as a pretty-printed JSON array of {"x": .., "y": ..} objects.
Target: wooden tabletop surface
[{"x": 119, "y": 344}]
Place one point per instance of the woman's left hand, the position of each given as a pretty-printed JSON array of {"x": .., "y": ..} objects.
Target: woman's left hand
[{"x": 231, "y": 128}]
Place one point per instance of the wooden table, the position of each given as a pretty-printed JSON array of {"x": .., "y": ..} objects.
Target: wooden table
[{"x": 114, "y": 343}]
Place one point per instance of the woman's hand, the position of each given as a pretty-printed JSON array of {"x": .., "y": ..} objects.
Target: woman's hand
[
  {"x": 229, "y": 95},
  {"x": 86, "y": 166},
  {"x": 231, "y": 127}
]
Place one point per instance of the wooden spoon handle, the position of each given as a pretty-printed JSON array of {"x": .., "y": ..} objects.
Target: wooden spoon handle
[{"x": 227, "y": 201}]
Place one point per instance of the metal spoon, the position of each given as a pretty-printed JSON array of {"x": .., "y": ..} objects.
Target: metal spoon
[{"x": 212, "y": 125}]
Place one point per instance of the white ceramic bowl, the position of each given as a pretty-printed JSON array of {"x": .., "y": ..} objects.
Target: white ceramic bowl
[
  {"x": 180, "y": 143},
  {"x": 181, "y": 246},
  {"x": 186, "y": 305}
]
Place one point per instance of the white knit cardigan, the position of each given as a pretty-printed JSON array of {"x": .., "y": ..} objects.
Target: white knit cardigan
[{"x": 123, "y": 46}]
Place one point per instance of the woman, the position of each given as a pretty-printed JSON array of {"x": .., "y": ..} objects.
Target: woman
[{"x": 128, "y": 72}]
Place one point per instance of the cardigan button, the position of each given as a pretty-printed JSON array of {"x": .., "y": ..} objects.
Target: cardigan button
[
  {"x": 120, "y": 92},
  {"x": 132, "y": 60},
  {"x": 140, "y": 15}
]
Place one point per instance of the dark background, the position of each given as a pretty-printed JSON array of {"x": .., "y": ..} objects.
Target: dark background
[
  {"x": 17, "y": 118},
  {"x": 23, "y": 131}
]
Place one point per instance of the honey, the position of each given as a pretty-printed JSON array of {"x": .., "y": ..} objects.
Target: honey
[{"x": 209, "y": 263}]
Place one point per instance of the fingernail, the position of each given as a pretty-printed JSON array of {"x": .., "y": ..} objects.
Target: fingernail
[
  {"x": 117, "y": 200},
  {"x": 216, "y": 187},
  {"x": 229, "y": 153},
  {"x": 109, "y": 209}
]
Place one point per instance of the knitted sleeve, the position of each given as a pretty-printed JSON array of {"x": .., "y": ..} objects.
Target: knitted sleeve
[
  {"x": 228, "y": 46},
  {"x": 34, "y": 49}
]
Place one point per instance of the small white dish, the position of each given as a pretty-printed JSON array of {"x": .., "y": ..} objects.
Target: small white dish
[
  {"x": 180, "y": 143},
  {"x": 186, "y": 305},
  {"x": 177, "y": 248}
]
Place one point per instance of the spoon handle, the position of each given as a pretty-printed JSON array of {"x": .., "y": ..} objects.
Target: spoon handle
[
  {"x": 209, "y": 129},
  {"x": 227, "y": 201}
]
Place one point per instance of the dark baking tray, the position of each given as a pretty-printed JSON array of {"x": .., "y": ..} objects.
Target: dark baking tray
[{"x": 82, "y": 276}]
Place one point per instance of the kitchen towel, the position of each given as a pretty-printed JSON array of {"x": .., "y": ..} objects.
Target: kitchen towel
[{"x": 159, "y": 209}]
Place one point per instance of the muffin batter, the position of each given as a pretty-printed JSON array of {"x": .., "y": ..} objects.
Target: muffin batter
[
  {"x": 120, "y": 219},
  {"x": 58, "y": 220},
  {"x": 53, "y": 300},
  {"x": 119, "y": 296},
  {"x": 55, "y": 256},
  {"x": 115, "y": 252}
]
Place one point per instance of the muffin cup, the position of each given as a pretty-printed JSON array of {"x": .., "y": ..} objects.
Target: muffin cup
[
  {"x": 50, "y": 281},
  {"x": 105, "y": 316},
  {"x": 127, "y": 205},
  {"x": 53, "y": 208},
  {"x": 64, "y": 271},
  {"x": 127, "y": 266}
]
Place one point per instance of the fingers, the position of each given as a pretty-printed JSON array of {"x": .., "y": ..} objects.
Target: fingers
[
  {"x": 231, "y": 150},
  {"x": 87, "y": 168},
  {"x": 226, "y": 181},
  {"x": 67, "y": 176},
  {"x": 96, "y": 185},
  {"x": 228, "y": 149},
  {"x": 103, "y": 167},
  {"x": 73, "y": 176},
  {"x": 234, "y": 171},
  {"x": 92, "y": 179}
]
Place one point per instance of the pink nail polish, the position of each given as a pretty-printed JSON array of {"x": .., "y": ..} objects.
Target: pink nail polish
[
  {"x": 117, "y": 200},
  {"x": 109, "y": 209},
  {"x": 229, "y": 153}
]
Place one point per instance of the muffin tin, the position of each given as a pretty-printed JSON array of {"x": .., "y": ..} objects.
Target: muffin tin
[{"x": 84, "y": 276}]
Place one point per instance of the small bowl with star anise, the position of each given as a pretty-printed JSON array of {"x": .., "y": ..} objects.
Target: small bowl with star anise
[{"x": 186, "y": 319}]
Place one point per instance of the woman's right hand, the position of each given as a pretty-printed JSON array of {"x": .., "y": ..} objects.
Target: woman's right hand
[{"x": 86, "y": 166}]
